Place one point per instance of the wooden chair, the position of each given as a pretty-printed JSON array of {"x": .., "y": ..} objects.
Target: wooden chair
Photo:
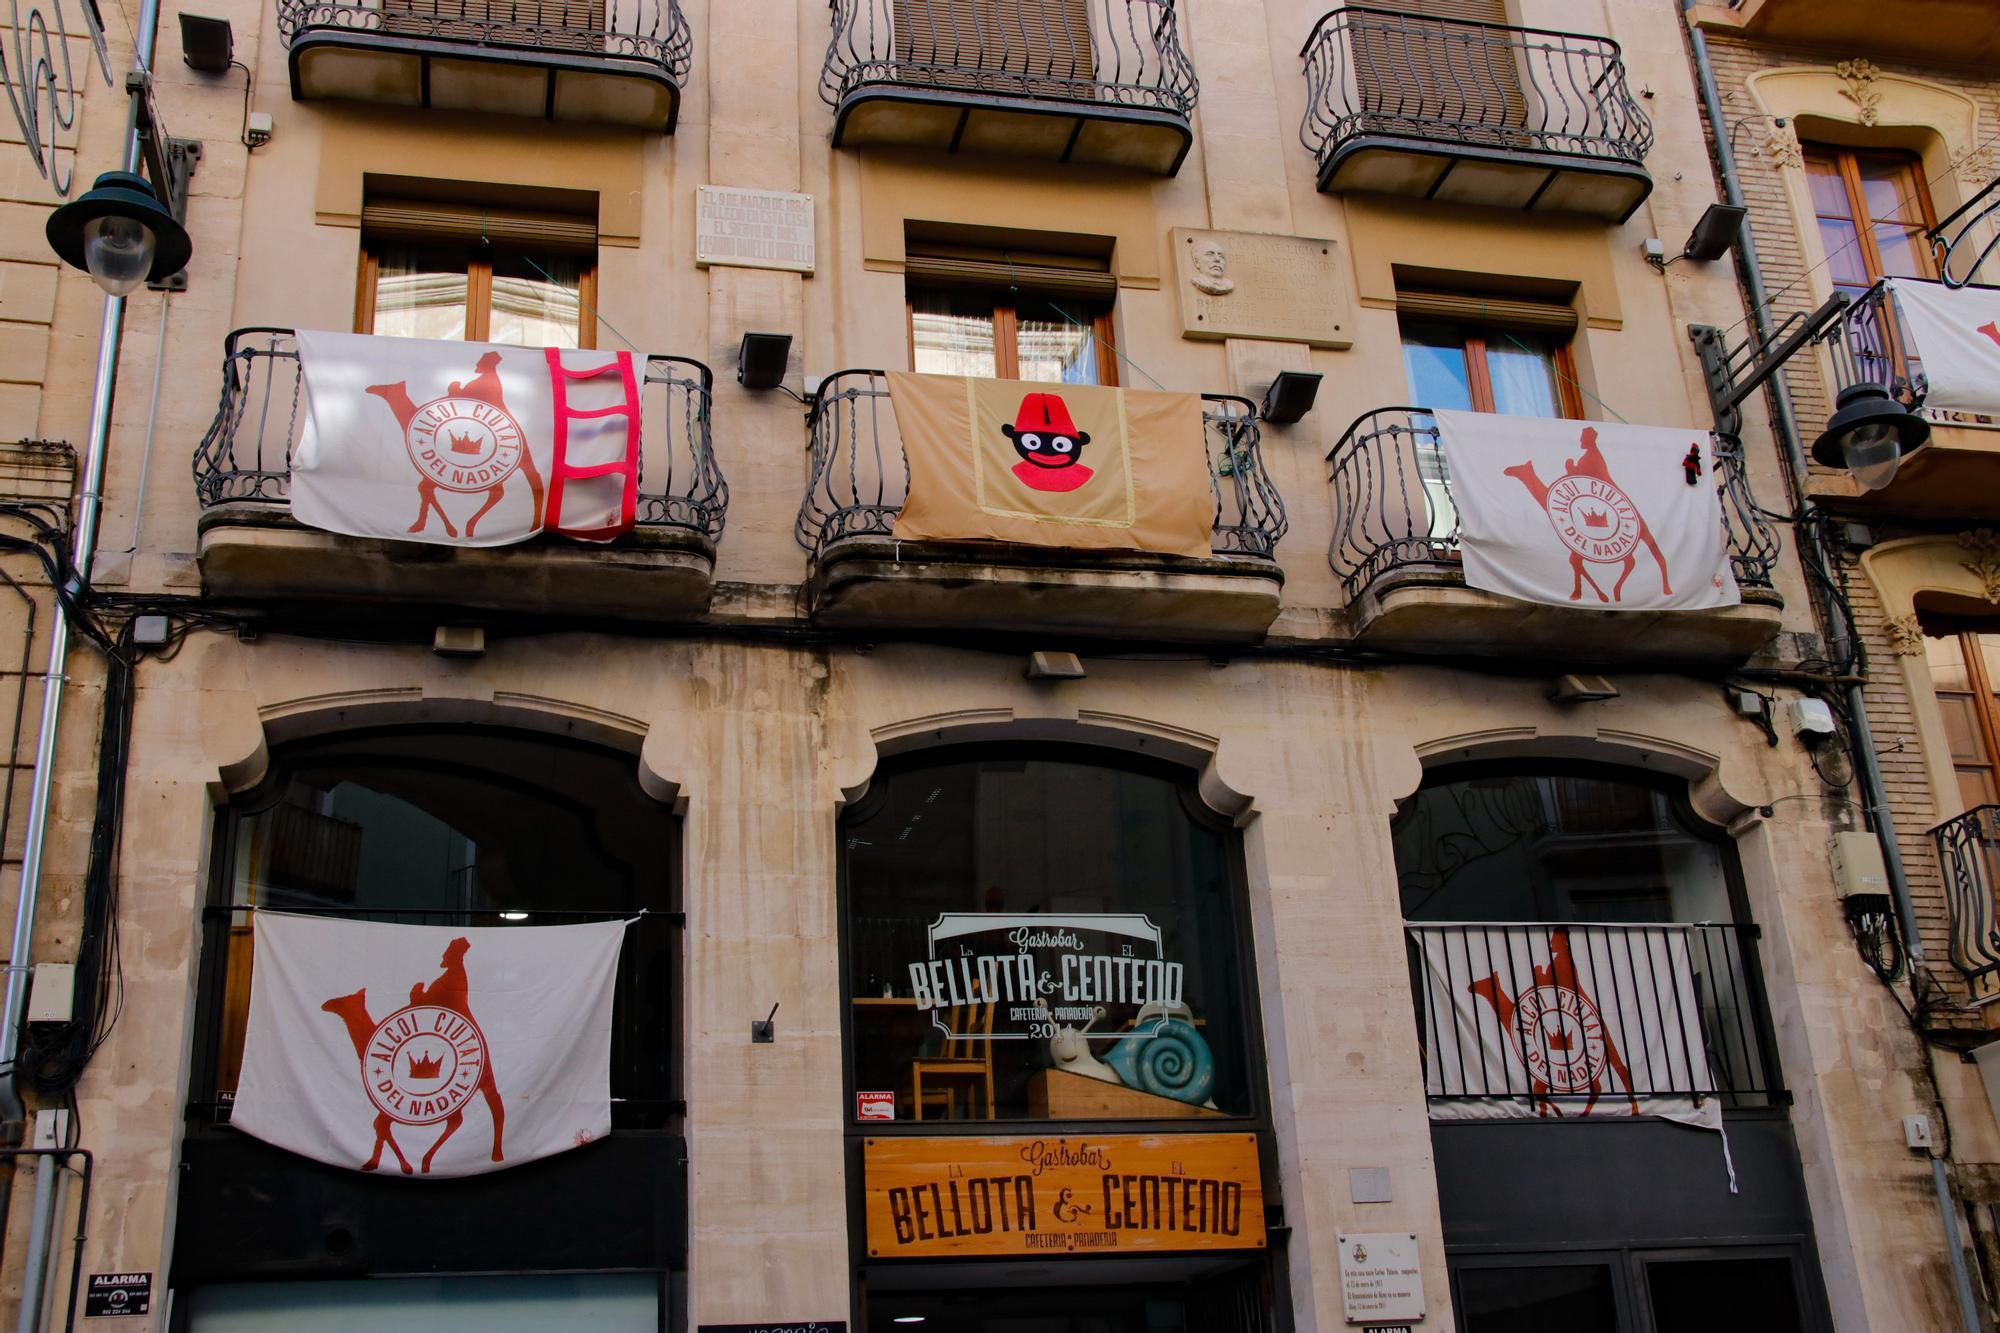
[{"x": 964, "y": 1063}]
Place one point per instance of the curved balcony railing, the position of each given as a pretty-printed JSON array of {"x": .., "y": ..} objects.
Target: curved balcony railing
[
  {"x": 1124, "y": 53},
  {"x": 649, "y": 32},
  {"x": 1963, "y": 242},
  {"x": 1870, "y": 345},
  {"x": 247, "y": 453},
  {"x": 1374, "y": 73},
  {"x": 1968, "y": 848},
  {"x": 860, "y": 474},
  {"x": 1393, "y": 507}
]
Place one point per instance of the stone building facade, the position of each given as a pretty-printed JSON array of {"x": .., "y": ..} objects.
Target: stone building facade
[{"x": 792, "y": 743}]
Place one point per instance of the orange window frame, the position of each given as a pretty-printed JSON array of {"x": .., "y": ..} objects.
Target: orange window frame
[
  {"x": 1479, "y": 379},
  {"x": 1913, "y": 187},
  {"x": 478, "y": 296},
  {"x": 1007, "y": 341},
  {"x": 1985, "y": 704}
]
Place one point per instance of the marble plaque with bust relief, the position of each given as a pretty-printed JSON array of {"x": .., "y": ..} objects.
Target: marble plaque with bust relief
[{"x": 1246, "y": 284}]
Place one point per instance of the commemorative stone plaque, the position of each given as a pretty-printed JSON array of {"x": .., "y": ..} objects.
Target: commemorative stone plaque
[
  {"x": 1242, "y": 284},
  {"x": 1380, "y": 1280},
  {"x": 753, "y": 228}
]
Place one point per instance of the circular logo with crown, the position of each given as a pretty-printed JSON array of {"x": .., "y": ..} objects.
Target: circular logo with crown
[
  {"x": 1593, "y": 518},
  {"x": 422, "y": 1063},
  {"x": 464, "y": 444},
  {"x": 1562, "y": 1038}
]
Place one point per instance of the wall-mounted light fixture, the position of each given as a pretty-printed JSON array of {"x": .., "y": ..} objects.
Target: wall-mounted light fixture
[
  {"x": 1290, "y": 397},
  {"x": 761, "y": 360},
  {"x": 1868, "y": 435},
  {"x": 128, "y": 228},
  {"x": 1714, "y": 235},
  {"x": 207, "y": 45}
]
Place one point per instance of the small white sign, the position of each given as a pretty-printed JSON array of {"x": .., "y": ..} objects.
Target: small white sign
[
  {"x": 1380, "y": 1281},
  {"x": 874, "y": 1106},
  {"x": 753, "y": 228}
]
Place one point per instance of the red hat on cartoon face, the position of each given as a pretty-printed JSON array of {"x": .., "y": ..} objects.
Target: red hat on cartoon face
[{"x": 1045, "y": 412}]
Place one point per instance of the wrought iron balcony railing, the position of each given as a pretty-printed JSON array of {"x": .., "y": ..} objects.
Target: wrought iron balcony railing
[
  {"x": 1642, "y": 1016},
  {"x": 1870, "y": 345},
  {"x": 1393, "y": 507},
  {"x": 1108, "y": 53},
  {"x": 1968, "y": 848},
  {"x": 247, "y": 453},
  {"x": 1958, "y": 245},
  {"x": 860, "y": 474},
  {"x": 646, "y": 38},
  {"x": 1374, "y": 76}
]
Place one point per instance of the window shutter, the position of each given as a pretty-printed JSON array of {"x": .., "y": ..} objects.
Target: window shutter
[
  {"x": 1461, "y": 308},
  {"x": 431, "y": 220},
  {"x": 1060, "y": 276},
  {"x": 997, "y": 46},
  {"x": 1415, "y": 75}
]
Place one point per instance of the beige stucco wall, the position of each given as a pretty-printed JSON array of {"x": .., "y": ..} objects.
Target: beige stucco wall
[{"x": 758, "y": 744}]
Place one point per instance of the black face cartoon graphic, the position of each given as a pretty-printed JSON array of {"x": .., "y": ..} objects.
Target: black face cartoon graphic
[{"x": 1050, "y": 445}]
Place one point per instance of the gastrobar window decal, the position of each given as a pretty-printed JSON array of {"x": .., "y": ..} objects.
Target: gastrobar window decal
[{"x": 1041, "y": 972}]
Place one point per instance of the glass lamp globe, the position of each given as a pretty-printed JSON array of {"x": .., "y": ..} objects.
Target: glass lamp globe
[
  {"x": 118, "y": 252},
  {"x": 1871, "y": 454}
]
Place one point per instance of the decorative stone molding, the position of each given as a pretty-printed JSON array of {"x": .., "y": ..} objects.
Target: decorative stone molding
[
  {"x": 1983, "y": 546},
  {"x": 1781, "y": 147},
  {"x": 1860, "y": 75},
  {"x": 1980, "y": 166},
  {"x": 1906, "y": 636}
]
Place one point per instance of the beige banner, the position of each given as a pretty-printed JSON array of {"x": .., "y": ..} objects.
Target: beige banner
[{"x": 1072, "y": 465}]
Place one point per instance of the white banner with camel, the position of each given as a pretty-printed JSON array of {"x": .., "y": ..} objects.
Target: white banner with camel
[
  {"x": 1589, "y": 514},
  {"x": 1544, "y": 1022},
  {"x": 427, "y": 1050},
  {"x": 465, "y": 444}
]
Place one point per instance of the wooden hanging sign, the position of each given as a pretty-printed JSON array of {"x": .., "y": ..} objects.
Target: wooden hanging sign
[{"x": 1099, "y": 1195}]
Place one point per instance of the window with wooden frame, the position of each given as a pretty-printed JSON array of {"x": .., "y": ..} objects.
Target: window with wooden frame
[
  {"x": 1872, "y": 209},
  {"x": 1965, "y": 673},
  {"x": 1489, "y": 354},
  {"x": 477, "y": 274},
  {"x": 999, "y": 315}
]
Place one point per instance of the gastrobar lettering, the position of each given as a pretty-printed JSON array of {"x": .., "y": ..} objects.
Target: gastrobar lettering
[
  {"x": 1041, "y": 972},
  {"x": 1018, "y": 1196}
]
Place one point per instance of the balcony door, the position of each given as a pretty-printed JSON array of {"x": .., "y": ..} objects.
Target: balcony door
[
  {"x": 1023, "y": 48},
  {"x": 1965, "y": 672},
  {"x": 1411, "y": 69}
]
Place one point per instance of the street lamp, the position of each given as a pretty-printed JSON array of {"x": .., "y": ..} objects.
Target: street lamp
[
  {"x": 120, "y": 234},
  {"x": 1869, "y": 434}
]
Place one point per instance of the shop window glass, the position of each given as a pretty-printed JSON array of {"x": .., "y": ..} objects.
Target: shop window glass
[
  {"x": 1723, "y": 1296},
  {"x": 1556, "y": 1298},
  {"x": 447, "y": 828},
  {"x": 1040, "y": 937},
  {"x": 608, "y": 1303}
]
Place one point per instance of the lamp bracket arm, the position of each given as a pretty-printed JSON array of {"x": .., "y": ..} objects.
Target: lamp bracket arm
[
  {"x": 169, "y": 162},
  {"x": 1730, "y": 384}
]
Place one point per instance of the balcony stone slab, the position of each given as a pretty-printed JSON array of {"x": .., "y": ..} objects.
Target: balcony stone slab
[
  {"x": 259, "y": 552},
  {"x": 879, "y": 583},
  {"x": 1418, "y": 609},
  {"x": 893, "y": 115},
  {"x": 1955, "y": 475}
]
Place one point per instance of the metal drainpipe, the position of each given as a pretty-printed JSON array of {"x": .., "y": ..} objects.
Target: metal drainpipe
[
  {"x": 83, "y": 545},
  {"x": 1865, "y": 766},
  {"x": 1787, "y": 427}
]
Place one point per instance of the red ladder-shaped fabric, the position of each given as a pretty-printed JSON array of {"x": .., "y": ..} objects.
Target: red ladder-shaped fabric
[{"x": 627, "y": 467}]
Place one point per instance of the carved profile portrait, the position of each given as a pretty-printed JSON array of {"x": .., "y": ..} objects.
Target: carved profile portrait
[{"x": 1211, "y": 268}]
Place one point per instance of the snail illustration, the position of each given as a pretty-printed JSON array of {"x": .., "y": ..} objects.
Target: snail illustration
[
  {"x": 1165, "y": 1055},
  {"x": 1070, "y": 1049}
]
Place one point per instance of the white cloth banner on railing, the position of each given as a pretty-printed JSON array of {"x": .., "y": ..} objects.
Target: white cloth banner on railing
[
  {"x": 1593, "y": 514},
  {"x": 454, "y": 1050},
  {"x": 465, "y": 444},
  {"x": 1525, "y": 1021},
  {"x": 1955, "y": 333}
]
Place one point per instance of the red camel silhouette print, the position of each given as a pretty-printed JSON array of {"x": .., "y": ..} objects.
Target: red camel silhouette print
[
  {"x": 465, "y": 441},
  {"x": 353, "y": 1011},
  {"x": 1991, "y": 329},
  {"x": 1594, "y": 518},
  {"x": 452, "y": 991},
  {"x": 423, "y": 1063},
  {"x": 1558, "y": 1032}
]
